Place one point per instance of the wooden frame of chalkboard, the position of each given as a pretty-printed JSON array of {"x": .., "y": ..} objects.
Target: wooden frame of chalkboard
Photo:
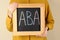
[{"x": 42, "y": 19}]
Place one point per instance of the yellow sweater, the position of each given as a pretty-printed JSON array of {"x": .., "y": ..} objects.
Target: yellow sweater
[{"x": 48, "y": 19}]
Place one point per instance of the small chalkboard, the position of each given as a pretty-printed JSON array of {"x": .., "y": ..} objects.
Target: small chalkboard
[{"x": 29, "y": 19}]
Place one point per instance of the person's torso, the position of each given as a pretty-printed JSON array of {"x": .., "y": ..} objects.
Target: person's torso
[{"x": 30, "y": 2}]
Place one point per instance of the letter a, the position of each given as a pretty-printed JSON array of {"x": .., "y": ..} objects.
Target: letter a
[
  {"x": 22, "y": 18},
  {"x": 36, "y": 16}
]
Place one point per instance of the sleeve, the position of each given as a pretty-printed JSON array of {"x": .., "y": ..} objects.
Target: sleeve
[
  {"x": 9, "y": 23},
  {"x": 17, "y": 1},
  {"x": 11, "y": 1},
  {"x": 49, "y": 18}
]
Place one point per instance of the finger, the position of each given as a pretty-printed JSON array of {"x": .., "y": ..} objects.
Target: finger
[
  {"x": 9, "y": 14},
  {"x": 45, "y": 33}
]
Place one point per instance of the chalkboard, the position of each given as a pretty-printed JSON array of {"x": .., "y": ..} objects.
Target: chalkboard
[{"x": 28, "y": 19}]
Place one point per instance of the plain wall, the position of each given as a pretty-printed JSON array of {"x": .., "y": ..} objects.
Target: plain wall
[
  {"x": 55, "y": 8},
  {"x": 52, "y": 34}
]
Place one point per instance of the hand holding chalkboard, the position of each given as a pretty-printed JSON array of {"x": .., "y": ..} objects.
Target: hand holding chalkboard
[{"x": 11, "y": 9}]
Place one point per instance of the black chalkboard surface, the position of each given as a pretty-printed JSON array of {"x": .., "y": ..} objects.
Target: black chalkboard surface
[{"x": 28, "y": 19}]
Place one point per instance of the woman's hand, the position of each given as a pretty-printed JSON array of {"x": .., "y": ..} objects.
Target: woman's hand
[
  {"x": 11, "y": 9},
  {"x": 44, "y": 34}
]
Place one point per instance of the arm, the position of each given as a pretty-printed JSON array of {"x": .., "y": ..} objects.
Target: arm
[
  {"x": 9, "y": 21},
  {"x": 49, "y": 17},
  {"x": 50, "y": 21}
]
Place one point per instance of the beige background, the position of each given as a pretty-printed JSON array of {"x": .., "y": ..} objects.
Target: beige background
[{"x": 52, "y": 35}]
